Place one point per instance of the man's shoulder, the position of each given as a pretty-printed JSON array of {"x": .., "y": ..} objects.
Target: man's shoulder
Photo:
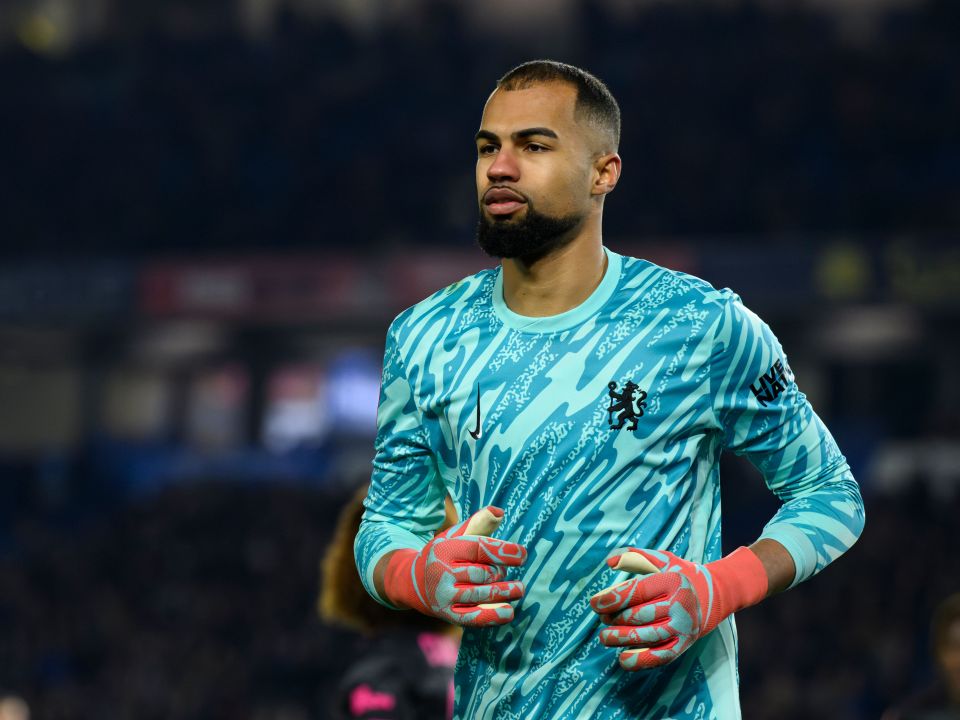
[
  {"x": 456, "y": 298},
  {"x": 657, "y": 283}
]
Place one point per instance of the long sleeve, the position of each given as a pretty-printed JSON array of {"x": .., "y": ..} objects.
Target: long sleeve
[
  {"x": 764, "y": 417},
  {"x": 405, "y": 503}
]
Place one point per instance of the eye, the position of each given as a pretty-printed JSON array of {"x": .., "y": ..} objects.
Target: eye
[
  {"x": 536, "y": 147},
  {"x": 487, "y": 149}
]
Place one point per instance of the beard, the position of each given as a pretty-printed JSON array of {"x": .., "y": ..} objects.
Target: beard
[{"x": 530, "y": 238}]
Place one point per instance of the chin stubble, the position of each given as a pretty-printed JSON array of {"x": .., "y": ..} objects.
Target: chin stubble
[{"x": 530, "y": 238}]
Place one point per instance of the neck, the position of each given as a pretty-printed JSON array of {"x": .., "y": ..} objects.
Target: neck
[{"x": 559, "y": 281}]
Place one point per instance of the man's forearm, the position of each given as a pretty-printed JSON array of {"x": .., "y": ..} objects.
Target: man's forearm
[
  {"x": 375, "y": 544},
  {"x": 379, "y": 571},
  {"x": 777, "y": 562}
]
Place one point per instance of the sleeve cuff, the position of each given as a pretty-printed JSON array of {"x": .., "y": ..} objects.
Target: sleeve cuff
[
  {"x": 800, "y": 547},
  {"x": 367, "y": 579},
  {"x": 390, "y": 538}
]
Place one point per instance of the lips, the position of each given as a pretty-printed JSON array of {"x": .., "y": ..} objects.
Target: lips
[{"x": 503, "y": 201}]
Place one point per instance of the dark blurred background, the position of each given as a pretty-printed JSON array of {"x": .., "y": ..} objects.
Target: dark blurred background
[{"x": 210, "y": 211}]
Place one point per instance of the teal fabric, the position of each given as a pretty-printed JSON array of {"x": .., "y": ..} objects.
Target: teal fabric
[{"x": 708, "y": 375}]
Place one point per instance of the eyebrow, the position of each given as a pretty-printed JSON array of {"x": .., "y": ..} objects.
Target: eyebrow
[{"x": 518, "y": 135}]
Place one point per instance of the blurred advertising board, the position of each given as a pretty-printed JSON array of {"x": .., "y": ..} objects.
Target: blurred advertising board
[
  {"x": 293, "y": 289},
  {"x": 75, "y": 292},
  {"x": 344, "y": 286}
]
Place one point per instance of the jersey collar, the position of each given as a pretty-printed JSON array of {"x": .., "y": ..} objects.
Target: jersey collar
[{"x": 552, "y": 323}]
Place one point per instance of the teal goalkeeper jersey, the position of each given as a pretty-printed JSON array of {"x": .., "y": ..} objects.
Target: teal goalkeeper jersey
[{"x": 595, "y": 429}]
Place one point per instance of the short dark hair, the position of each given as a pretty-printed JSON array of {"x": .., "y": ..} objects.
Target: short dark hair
[{"x": 595, "y": 102}]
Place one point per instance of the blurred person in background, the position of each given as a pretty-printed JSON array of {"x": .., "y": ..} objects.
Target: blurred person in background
[
  {"x": 14, "y": 708},
  {"x": 406, "y": 669},
  {"x": 940, "y": 701},
  {"x": 590, "y": 395}
]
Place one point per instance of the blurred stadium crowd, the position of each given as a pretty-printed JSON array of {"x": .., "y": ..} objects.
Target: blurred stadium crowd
[
  {"x": 199, "y": 604},
  {"x": 174, "y": 129},
  {"x": 210, "y": 211},
  {"x": 196, "y": 604}
]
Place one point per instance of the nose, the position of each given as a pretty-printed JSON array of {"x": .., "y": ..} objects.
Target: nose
[{"x": 504, "y": 167}]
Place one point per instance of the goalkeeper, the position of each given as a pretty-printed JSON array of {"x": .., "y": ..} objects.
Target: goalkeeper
[{"x": 574, "y": 403}]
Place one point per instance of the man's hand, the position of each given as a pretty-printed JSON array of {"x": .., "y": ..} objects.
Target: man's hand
[
  {"x": 458, "y": 576},
  {"x": 659, "y": 616}
]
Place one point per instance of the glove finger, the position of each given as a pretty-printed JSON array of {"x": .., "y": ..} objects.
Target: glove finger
[
  {"x": 646, "y": 658},
  {"x": 483, "y": 615},
  {"x": 500, "y": 552},
  {"x": 452, "y": 531},
  {"x": 483, "y": 522},
  {"x": 491, "y": 593},
  {"x": 479, "y": 549},
  {"x": 645, "y": 614},
  {"x": 637, "y": 636},
  {"x": 477, "y": 574},
  {"x": 635, "y": 592},
  {"x": 643, "y": 562},
  {"x": 614, "y": 598}
]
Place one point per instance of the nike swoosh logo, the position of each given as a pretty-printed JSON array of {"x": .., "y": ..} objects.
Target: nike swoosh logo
[{"x": 477, "y": 433}]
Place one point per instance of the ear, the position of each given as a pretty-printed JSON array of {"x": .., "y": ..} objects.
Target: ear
[{"x": 606, "y": 173}]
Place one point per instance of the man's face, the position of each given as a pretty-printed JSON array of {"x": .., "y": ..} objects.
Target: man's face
[
  {"x": 949, "y": 657},
  {"x": 534, "y": 171}
]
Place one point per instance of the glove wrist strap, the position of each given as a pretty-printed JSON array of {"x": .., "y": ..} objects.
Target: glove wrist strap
[
  {"x": 739, "y": 581},
  {"x": 399, "y": 582}
]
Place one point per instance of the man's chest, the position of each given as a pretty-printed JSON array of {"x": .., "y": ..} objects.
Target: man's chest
[{"x": 536, "y": 401}]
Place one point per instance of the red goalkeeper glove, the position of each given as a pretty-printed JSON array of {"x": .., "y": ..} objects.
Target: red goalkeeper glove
[
  {"x": 660, "y": 616},
  {"x": 459, "y": 575}
]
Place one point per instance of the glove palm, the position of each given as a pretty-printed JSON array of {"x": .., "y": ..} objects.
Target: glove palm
[
  {"x": 459, "y": 575},
  {"x": 658, "y": 617}
]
